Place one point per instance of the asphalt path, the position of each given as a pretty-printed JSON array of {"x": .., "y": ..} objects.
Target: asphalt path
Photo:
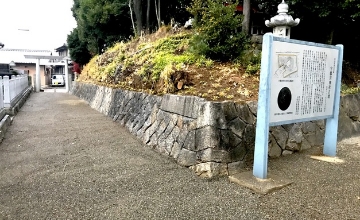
[{"x": 60, "y": 159}]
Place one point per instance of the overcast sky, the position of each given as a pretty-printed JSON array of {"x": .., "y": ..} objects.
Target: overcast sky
[{"x": 48, "y": 21}]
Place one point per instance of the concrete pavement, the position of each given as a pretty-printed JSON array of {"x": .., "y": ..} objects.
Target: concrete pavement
[{"x": 60, "y": 159}]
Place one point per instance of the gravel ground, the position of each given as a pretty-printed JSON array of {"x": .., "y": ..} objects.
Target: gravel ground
[{"x": 60, "y": 159}]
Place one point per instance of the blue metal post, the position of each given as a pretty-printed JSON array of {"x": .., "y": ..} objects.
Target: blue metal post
[
  {"x": 331, "y": 128},
  {"x": 263, "y": 112}
]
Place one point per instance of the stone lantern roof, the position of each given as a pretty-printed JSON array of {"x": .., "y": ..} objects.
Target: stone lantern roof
[{"x": 282, "y": 19}]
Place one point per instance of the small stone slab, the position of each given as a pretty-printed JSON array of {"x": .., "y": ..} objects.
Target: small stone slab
[
  {"x": 328, "y": 159},
  {"x": 262, "y": 186}
]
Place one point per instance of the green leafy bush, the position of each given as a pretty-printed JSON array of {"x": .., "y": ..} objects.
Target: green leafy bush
[
  {"x": 251, "y": 59},
  {"x": 218, "y": 30},
  {"x": 345, "y": 89},
  {"x": 151, "y": 61}
]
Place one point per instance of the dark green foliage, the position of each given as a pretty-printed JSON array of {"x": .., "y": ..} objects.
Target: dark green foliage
[
  {"x": 325, "y": 21},
  {"x": 78, "y": 50},
  {"x": 102, "y": 22},
  {"x": 218, "y": 30}
]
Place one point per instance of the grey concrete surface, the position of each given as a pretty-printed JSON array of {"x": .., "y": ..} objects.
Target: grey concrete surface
[{"x": 60, "y": 159}]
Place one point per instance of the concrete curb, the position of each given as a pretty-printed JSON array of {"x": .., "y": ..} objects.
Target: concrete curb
[
  {"x": 20, "y": 102},
  {"x": 6, "y": 114},
  {"x": 4, "y": 124}
]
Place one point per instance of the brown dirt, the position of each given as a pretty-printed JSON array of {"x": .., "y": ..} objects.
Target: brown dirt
[
  {"x": 351, "y": 75},
  {"x": 222, "y": 82}
]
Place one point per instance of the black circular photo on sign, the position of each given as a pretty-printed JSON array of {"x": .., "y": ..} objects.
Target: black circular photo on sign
[{"x": 284, "y": 98}]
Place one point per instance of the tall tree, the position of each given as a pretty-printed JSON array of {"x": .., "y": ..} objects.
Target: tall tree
[
  {"x": 132, "y": 17},
  {"x": 157, "y": 11},
  {"x": 78, "y": 49},
  {"x": 138, "y": 16},
  {"x": 102, "y": 22},
  {"x": 246, "y": 19},
  {"x": 148, "y": 17}
]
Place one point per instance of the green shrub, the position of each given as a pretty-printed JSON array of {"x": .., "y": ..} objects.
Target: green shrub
[
  {"x": 251, "y": 59},
  {"x": 345, "y": 89},
  {"x": 218, "y": 30}
]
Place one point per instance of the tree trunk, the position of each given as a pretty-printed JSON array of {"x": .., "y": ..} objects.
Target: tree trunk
[
  {"x": 138, "y": 16},
  {"x": 157, "y": 11},
  {"x": 246, "y": 21},
  {"x": 148, "y": 17},
  {"x": 331, "y": 36},
  {"x": 132, "y": 18},
  {"x": 159, "y": 21}
]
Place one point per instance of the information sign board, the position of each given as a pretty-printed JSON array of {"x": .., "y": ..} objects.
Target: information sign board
[
  {"x": 303, "y": 80},
  {"x": 299, "y": 81}
]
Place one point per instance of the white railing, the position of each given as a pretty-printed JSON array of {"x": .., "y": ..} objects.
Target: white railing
[
  {"x": 1, "y": 93},
  {"x": 12, "y": 88}
]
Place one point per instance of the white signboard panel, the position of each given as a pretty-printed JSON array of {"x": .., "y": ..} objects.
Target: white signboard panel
[
  {"x": 303, "y": 80},
  {"x": 299, "y": 81}
]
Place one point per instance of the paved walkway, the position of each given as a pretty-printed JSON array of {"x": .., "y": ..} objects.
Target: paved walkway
[{"x": 60, "y": 159}]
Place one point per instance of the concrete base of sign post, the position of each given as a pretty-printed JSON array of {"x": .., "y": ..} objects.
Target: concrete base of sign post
[
  {"x": 262, "y": 186},
  {"x": 327, "y": 159}
]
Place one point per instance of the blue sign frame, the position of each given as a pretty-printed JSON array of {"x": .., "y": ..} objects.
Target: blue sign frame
[{"x": 263, "y": 111}]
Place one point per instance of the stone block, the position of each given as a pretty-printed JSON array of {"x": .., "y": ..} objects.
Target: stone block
[
  {"x": 249, "y": 135},
  {"x": 345, "y": 126},
  {"x": 305, "y": 144},
  {"x": 320, "y": 124},
  {"x": 253, "y": 107},
  {"x": 274, "y": 149},
  {"x": 124, "y": 118},
  {"x": 238, "y": 153},
  {"x": 153, "y": 142},
  {"x": 186, "y": 123},
  {"x": 211, "y": 114},
  {"x": 169, "y": 128},
  {"x": 287, "y": 152},
  {"x": 160, "y": 116},
  {"x": 224, "y": 139},
  {"x": 309, "y": 127},
  {"x": 149, "y": 132},
  {"x": 280, "y": 135},
  {"x": 230, "y": 111},
  {"x": 207, "y": 137},
  {"x": 350, "y": 104},
  {"x": 295, "y": 138},
  {"x": 189, "y": 142},
  {"x": 106, "y": 100},
  {"x": 160, "y": 149},
  {"x": 182, "y": 136},
  {"x": 175, "y": 150},
  {"x": 237, "y": 126},
  {"x": 186, "y": 157},
  {"x": 174, "y": 133},
  {"x": 210, "y": 169},
  {"x": 153, "y": 114},
  {"x": 169, "y": 143},
  {"x": 182, "y": 105},
  {"x": 315, "y": 138},
  {"x": 245, "y": 114},
  {"x": 162, "y": 145},
  {"x": 213, "y": 155},
  {"x": 161, "y": 129}
]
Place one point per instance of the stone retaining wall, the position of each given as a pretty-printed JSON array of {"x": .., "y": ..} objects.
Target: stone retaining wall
[{"x": 212, "y": 138}]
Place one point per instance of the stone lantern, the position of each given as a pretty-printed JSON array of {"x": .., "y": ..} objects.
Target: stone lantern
[{"x": 282, "y": 22}]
